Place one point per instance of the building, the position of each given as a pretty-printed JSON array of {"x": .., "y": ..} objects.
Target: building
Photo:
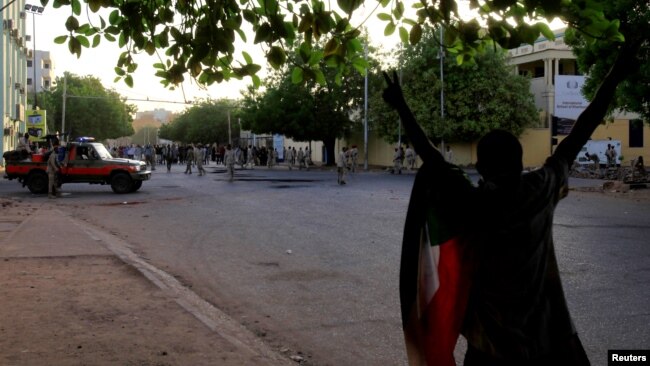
[
  {"x": 13, "y": 74},
  {"x": 555, "y": 84},
  {"x": 41, "y": 76}
]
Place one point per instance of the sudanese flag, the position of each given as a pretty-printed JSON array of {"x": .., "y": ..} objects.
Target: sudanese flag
[{"x": 435, "y": 267}]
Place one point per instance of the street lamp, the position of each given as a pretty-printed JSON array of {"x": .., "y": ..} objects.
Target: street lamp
[{"x": 34, "y": 9}]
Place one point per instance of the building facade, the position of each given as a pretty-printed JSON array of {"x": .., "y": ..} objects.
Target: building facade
[
  {"x": 13, "y": 76},
  {"x": 40, "y": 71}
]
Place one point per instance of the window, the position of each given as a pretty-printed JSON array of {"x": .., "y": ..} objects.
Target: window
[
  {"x": 46, "y": 84},
  {"x": 29, "y": 81},
  {"x": 636, "y": 133},
  {"x": 29, "y": 63},
  {"x": 46, "y": 66}
]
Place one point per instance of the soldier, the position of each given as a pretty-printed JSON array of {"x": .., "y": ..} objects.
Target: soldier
[
  {"x": 342, "y": 167},
  {"x": 199, "y": 157},
  {"x": 189, "y": 158},
  {"x": 410, "y": 157},
  {"x": 53, "y": 167},
  {"x": 354, "y": 156},
  {"x": 170, "y": 154},
  {"x": 300, "y": 158},
  {"x": 289, "y": 157},
  {"x": 250, "y": 156},
  {"x": 397, "y": 161},
  {"x": 229, "y": 161},
  {"x": 307, "y": 157}
]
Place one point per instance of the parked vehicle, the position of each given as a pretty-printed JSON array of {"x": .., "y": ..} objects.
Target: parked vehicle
[{"x": 85, "y": 161}]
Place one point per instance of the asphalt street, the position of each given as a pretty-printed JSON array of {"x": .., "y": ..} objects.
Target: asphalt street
[{"x": 312, "y": 266}]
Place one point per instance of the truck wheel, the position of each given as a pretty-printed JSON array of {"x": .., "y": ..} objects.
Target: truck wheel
[
  {"x": 136, "y": 185},
  {"x": 37, "y": 182},
  {"x": 121, "y": 183}
]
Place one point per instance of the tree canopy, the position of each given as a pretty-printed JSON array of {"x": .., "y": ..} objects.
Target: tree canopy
[
  {"x": 304, "y": 112},
  {"x": 596, "y": 59},
  {"x": 477, "y": 99},
  {"x": 206, "y": 123},
  {"x": 200, "y": 39},
  {"x": 90, "y": 110}
]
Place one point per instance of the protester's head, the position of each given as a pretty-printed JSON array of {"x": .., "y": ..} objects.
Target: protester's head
[
  {"x": 26, "y": 136},
  {"x": 499, "y": 153}
]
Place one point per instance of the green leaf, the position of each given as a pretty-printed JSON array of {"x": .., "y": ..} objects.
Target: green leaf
[
  {"x": 403, "y": 35},
  {"x": 109, "y": 37},
  {"x": 71, "y": 23},
  {"x": 149, "y": 48},
  {"x": 60, "y": 39},
  {"x": 305, "y": 51},
  {"x": 416, "y": 34},
  {"x": 128, "y": 80},
  {"x": 83, "y": 41},
  {"x": 122, "y": 40},
  {"x": 96, "y": 39},
  {"x": 76, "y": 7},
  {"x": 320, "y": 77},
  {"x": 360, "y": 64},
  {"x": 247, "y": 57},
  {"x": 114, "y": 17},
  {"x": 264, "y": 33},
  {"x": 385, "y": 16},
  {"x": 276, "y": 57},
  {"x": 297, "y": 75},
  {"x": 331, "y": 46},
  {"x": 390, "y": 29},
  {"x": 544, "y": 29},
  {"x": 256, "y": 81},
  {"x": 119, "y": 71},
  {"x": 74, "y": 46},
  {"x": 349, "y": 6},
  {"x": 94, "y": 5},
  {"x": 316, "y": 57}
]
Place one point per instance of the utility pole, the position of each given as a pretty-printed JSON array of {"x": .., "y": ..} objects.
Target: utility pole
[
  {"x": 35, "y": 10},
  {"x": 365, "y": 115},
  {"x": 65, "y": 90}
]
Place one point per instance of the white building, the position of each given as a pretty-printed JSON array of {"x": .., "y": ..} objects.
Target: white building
[
  {"x": 13, "y": 74},
  {"x": 42, "y": 75}
]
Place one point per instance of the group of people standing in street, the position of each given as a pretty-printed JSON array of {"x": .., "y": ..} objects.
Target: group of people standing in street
[{"x": 347, "y": 160}]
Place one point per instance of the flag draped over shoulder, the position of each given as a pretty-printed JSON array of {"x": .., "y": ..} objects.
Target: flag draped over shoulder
[{"x": 435, "y": 267}]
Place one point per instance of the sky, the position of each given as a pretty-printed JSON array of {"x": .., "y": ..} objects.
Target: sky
[{"x": 100, "y": 62}]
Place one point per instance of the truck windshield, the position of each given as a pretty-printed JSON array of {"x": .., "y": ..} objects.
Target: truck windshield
[{"x": 101, "y": 151}]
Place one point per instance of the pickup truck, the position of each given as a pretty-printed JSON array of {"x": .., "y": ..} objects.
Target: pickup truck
[{"x": 84, "y": 162}]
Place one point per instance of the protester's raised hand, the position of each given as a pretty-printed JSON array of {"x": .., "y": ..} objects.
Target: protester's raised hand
[{"x": 393, "y": 93}]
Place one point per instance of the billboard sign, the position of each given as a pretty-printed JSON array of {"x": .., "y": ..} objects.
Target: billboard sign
[
  {"x": 36, "y": 125},
  {"x": 569, "y": 101}
]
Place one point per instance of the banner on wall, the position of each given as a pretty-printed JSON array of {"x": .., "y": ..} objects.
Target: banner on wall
[
  {"x": 36, "y": 125},
  {"x": 569, "y": 101},
  {"x": 278, "y": 145}
]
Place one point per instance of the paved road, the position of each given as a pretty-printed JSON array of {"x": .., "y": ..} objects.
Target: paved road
[{"x": 312, "y": 267}]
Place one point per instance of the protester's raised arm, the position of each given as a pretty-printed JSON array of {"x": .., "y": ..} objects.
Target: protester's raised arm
[{"x": 395, "y": 98}]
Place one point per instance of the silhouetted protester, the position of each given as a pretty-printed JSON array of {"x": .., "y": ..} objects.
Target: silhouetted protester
[{"x": 481, "y": 260}]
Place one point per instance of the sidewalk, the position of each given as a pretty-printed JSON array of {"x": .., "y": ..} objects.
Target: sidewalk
[{"x": 73, "y": 295}]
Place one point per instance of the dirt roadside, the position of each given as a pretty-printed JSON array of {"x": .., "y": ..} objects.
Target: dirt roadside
[{"x": 67, "y": 300}]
